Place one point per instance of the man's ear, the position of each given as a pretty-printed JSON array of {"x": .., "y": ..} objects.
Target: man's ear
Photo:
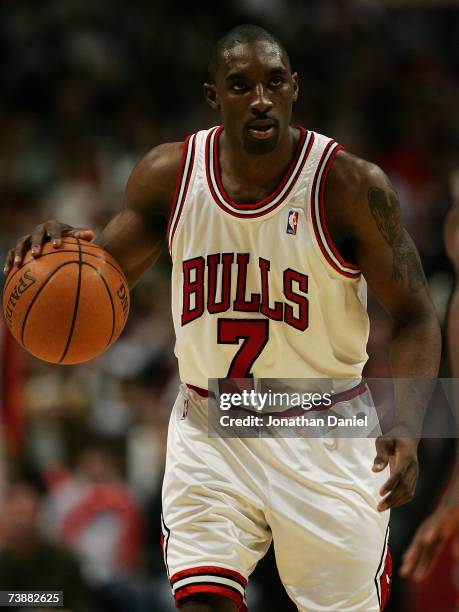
[
  {"x": 296, "y": 87},
  {"x": 211, "y": 96}
]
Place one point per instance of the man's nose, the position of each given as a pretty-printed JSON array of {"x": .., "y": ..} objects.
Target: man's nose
[{"x": 261, "y": 102}]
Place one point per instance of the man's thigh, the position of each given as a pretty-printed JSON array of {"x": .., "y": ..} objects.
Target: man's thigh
[
  {"x": 329, "y": 539},
  {"x": 214, "y": 527}
]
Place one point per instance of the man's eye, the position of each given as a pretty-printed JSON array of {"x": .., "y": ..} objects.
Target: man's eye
[
  {"x": 276, "y": 81},
  {"x": 239, "y": 86}
]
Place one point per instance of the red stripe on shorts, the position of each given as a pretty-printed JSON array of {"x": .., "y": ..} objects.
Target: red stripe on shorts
[
  {"x": 209, "y": 570},
  {"x": 385, "y": 582},
  {"x": 211, "y": 589}
]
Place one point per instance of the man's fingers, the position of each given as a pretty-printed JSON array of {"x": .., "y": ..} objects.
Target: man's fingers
[
  {"x": 401, "y": 486},
  {"x": 54, "y": 231},
  {"x": 391, "y": 483},
  {"x": 22, "y": 246},
  {"x": 379, "y": 464},
  {"x": 384, "y": 450},
  {"x": 399, "y": 496},
  {"x": 410, "y": 559},
  {"x": 8, "y": 262},
  {"x": 429, "y": 555},
  {"x": 432, "y": 535},
  {"x": 84, "y": 234},
  {"x": 393, "y": 500},
  {"x": 425, "y": 548},
  {"x": 36, "y": 241},
  {"x": 78, "y": 232}
]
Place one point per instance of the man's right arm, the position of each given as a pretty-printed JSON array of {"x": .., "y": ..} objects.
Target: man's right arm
[{"x": 135, "y": 235}]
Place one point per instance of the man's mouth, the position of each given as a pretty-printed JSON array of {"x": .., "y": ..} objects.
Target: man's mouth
[{"x": 261, "y": 129}]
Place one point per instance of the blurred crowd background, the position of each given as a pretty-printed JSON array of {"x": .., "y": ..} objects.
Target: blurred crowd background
[{"x": 87, "y": 88}]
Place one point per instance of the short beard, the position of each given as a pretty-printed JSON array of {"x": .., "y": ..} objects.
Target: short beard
[{"x": 262, "y": 147}]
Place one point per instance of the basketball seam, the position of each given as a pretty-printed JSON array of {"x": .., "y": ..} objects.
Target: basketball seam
[
  {"x": 85, "y": 243},
  {"x": 85, "y": 263},
  {"x": 75, "y": 308},
  {"x": 96, "y": 246},
  {"x": 60, "y": 251},
  {"x": 35, "y": 297}
]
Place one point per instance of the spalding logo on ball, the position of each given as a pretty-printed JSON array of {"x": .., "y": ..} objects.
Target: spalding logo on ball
[{"x": 68, "y": 305}]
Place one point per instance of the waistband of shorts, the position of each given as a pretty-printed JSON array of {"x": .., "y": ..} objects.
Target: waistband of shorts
[{"x": 343, "y": 396}]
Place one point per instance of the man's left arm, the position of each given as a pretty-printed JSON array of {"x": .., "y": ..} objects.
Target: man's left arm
[
  {"x": 390, "y": 263},
  {"x": 443, "y": 523}
]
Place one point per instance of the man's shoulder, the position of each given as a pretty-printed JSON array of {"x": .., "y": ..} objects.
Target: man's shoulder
[
  {"x": 349, "y": 184},
  {"x": 166, "y": 159},
  {"x": 352, "y": 175},
  {"x": 152, "y": 182},
  {"x": 161, "y": 161}
]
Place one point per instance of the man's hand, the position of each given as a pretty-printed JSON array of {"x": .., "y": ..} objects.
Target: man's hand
[
  {"x": 401, "y": 456},
  {"x": 428, "y": 542},
  {"x": 51, "y": 230}
]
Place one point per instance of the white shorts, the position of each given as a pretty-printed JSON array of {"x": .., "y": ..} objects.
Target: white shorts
[{"x": 226, "y": 499}]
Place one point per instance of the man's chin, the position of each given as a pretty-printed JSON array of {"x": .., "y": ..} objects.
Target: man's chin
[{"x": 260, "y": 147}]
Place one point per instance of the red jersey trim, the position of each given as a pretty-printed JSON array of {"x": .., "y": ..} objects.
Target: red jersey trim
[
  {"x": 324, "y": 240},
  {"x": 178, "y": 183},
  {"x": 266, "y": 205},
  {"x": 269, "y": 198},
  {"x": 181, "y": 189}
]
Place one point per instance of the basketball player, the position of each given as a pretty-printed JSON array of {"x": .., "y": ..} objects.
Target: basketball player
[
  {"x": 443, "y": 523},
  {"x": 274, "y": 231}
]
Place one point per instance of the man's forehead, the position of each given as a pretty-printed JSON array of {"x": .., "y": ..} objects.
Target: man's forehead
[{"x": 244, "y": 55}]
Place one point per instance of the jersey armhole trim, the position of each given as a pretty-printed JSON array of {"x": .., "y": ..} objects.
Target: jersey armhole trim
[
  {"x": 181, "y": 189},
  {"x": 324, "y": 240}
]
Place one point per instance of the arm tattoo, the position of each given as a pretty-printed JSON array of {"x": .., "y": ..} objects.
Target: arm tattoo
[{"x": 406, "y": 261}]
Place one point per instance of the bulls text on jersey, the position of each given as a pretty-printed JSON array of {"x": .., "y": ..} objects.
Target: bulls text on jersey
[{"x": 200, "y": 281}]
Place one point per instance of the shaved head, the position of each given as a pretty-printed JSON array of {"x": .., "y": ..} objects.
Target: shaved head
[{"x": 242, "y": 34}]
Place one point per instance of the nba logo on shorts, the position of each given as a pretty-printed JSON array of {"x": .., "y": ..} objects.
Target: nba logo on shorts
[{"x": 292, "y": 222}]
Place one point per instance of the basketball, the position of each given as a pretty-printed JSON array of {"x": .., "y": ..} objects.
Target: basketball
[{"x": 68, "y": 305}]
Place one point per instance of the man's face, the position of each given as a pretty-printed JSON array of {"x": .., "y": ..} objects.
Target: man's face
[{"x": 254, "y": 91}]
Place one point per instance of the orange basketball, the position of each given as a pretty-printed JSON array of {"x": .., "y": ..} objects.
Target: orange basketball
[{"x": 68, "y": 305}]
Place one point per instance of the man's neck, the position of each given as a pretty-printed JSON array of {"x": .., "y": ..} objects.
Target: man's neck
[{"x": 246, "y": 170}]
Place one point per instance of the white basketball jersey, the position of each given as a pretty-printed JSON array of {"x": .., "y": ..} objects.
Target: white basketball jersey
[{"x": 259, "y": 289}]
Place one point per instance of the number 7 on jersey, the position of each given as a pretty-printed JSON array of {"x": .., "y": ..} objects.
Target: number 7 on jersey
[{"x": 254, "y": 334}]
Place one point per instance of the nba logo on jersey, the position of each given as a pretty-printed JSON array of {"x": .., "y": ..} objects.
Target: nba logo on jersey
[{"x": 292, "y": 222}]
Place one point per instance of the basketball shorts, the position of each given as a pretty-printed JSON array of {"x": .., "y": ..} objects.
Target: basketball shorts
[{"x": 226, "y": 499}]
